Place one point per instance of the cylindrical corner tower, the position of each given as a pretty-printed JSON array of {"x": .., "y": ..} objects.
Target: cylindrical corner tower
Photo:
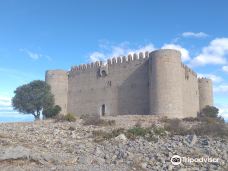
[
  {"x": 58, "y": 80},
  {"x": 205, "y": 92},
  {"x": 165, "y": 78}
]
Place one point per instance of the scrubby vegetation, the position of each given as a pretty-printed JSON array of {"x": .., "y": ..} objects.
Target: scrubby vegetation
[
  {"x": 150, "y": 133},
  {"x": 206, "y": 123},
  {"x": 96, "y": 120},
  {"x": 52, "y": 111},
  {"x": 206, "y": 126},
  {"x": 69, "y": 117},
  {"x": 209, "y": 111}
]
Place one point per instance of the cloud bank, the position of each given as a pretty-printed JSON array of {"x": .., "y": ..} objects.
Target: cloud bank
[
  {"x": 184, "y": 52},
  {"x": 109, "y": 51},
  {"x": 215, "y": 53},
  {"x": 35, "y": 55},
  {"x": 194, "y": 35}
]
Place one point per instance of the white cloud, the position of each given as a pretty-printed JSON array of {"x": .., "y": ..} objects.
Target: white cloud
[
  {"x": 223, "y": 111},
  {"x": 5, "y": 104},
  {"x": 35, "y": 55},
  {"x": 184, "y": 52},
  {"x": 97, "y": 56},
  {"x": 109, "y": 51},
  {"x": 5, "y": 101},
  {"x": 31, "y": 54},
  {"x": 215, "y": 78},
  {"x": 225, "y": 68},
  {"x": 149, "y": 47},
  {"x": 214, "y": 53},
  {"x": 5, "y": 108},
  {"x": 196, "y": 35},
  {"x": 222, "y": 88}
]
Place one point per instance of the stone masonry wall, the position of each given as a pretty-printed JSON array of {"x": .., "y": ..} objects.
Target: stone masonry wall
[
  {"x": 190, "y": 92},
  {"x": 124, "y": 89},
  {"x": 58, "y": 80},
  {"x": 160, "y": 84}
]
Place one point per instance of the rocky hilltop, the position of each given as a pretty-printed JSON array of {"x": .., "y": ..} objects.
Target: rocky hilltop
[{"x": 120, "y": 143}]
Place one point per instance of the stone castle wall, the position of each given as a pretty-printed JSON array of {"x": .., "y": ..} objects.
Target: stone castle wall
[
  {"x": 123, "y": 90},
  {"x": 166, "y": 90},
  {"x": 58, "y": 80},
  {"x": 205, "y": 92},
  {"x": 190, "y": 92},
  {"x": 155, "y": 83}
]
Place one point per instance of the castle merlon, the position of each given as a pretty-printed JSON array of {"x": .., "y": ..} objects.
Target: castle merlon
[
  {"x": 187, "y": 69},
  {"x": 200, "y": 79},
  {"x": 112, "y": 61}
]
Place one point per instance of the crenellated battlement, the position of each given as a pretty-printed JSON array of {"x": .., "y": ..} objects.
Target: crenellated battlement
[
  {"x": 187, "y": 69},
  {"x": 112, "y": 61},
  {"x": 203, "y": 79}
]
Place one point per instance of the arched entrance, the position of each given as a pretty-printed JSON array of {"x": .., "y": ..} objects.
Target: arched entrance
[{"x": 103, "y": 110}]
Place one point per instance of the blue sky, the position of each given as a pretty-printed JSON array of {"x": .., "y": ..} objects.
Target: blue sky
[{"x": 48, "y": 34}]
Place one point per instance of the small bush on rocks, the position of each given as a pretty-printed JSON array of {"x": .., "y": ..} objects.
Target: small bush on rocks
[
  {"x": 148, "y": 133},
  {"x": 191, "y": 119},
  {"x": 164, "y": 119},
  {"x": 69, "y": 117},
  {"x": 51, "y": 111},
  {"x": 211, "y": 127},
  {"x": 102, "y": 135},
  {"x": 138, "y": 131},
  {"x": 159, "y": 131},
  {"x": 175, "y": 126},
  {"x": 207, "y": 126},
  {"x": 210, "y": 111},
  {"x": 96, "y": 120}
]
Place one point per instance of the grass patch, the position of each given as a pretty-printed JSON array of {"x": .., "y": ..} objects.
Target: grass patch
[
  {"x": 102, "y": 135},
  {"x": 138, "y": 131},
  {"x": 150, "y": 134},
  {"x": 68, "y": 117},
  {"x": 96, "y": 120},
  {"x": 206, "y": 126}
]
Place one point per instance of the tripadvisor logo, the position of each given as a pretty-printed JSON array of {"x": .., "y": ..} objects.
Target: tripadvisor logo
[{"x": 176, "y": 160}]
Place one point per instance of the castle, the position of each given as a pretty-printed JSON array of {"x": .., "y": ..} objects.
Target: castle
[{"x": 155, "y": 83}]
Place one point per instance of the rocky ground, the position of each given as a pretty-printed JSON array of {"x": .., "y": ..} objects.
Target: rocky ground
[{"x": 50, "y": 145}]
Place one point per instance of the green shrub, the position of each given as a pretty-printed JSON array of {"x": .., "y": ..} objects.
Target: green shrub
[
  {"x": 210, "y": 111},
  {"x": 51, "y": 112},
  {"x": 159, "y": 131},
  {"x": 150, "y": 133},
  {"x": 138, "y": 131},
  {"x": 70, "y": 117}
]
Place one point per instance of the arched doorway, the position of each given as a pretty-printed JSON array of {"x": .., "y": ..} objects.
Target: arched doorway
[{"x": 103, "y": 110}]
